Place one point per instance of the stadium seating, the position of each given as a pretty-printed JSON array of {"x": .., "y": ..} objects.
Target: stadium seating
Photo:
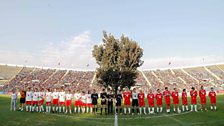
[{"x": 82, "y": 80}]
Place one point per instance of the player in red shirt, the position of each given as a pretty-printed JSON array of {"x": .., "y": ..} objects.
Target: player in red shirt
[
  {"x": 184, "y": 100},
  {"x": 150, "y": 97},
  {"x": 159, "y": 101},
  {"x": 202, "y": 94},
  {"x": 127, "y": 101},
  {"x": 193, "y": 94},
  {"x": 141, "y": 101},
  {"x": 166, "y": 95},
  {"x": 175, "y": 96},
  {"x": 212, "y": 96}
]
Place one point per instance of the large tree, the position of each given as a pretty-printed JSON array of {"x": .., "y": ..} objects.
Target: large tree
[{"x": 118, "y": 60}]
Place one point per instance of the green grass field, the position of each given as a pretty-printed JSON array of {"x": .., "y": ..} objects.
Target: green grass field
[{"x": 210, "y": 118}]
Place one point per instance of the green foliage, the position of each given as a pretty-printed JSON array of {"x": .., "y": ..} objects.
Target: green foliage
[{"x": 118, "y": 60}]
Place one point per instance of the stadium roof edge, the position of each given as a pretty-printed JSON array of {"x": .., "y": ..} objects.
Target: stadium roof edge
[
  {"x": 166, "y": 68},
  {"x": 56, "y": 68},
  {"x": 184, "y": 67}
]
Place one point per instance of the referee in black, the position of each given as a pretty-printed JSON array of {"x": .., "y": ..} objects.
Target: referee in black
[
  {"x": 94, "y": 97},
  {"x": 118, "y": 101},
  {"x": 110, "y": 97},
  {"x": 103, "y": 97}
]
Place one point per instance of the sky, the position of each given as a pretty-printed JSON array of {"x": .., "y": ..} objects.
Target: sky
[{"x": 46, "y": 32}]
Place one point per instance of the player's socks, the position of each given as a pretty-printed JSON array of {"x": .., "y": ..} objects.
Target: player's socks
[
  {"x": 37, "y": 108},
  {"x": 33, "y": 108},
  {"x": 87, "y": 110},
  {"x": 53, "y": 108},
  {"x": 46, "y": 108},
  {"x": 124, "y": 110},
  {"x": 144, "y": 110},
  {"x": 56, "y": 108},
  {"x": 91, "y": 110},
  {"x": 186, "y": 107},
  {"x": 63, "y": 108},
  {"x": 75, "y": 109},
  {"x": 140, "y": 110},
  {"x": 174, "y": 109},
  {"x": 59, "y": 109},
  {"x": 178, "y": 109},
  {"x": 215, "y": 107},
  {"x": 133, "y": 110},
  {"x": 149, "y": 110},
  {"x": 195, "y": 107},
  {"x": 30, "y": 108},
  {"x": 49, "y": 109},
  {"x": 101, "y": 111},
  {"x": 211, "y": 107},
  {"x": 183, "y": 108},
  {"x": 161, "y": 109},
  {"x": 27, "y": 108},
  {"x": 129, "y": 110},
  {"x": 191, "y": 107},
  {"x": 152, "y": 109},
  {"x": 157, "y": 110},
  {"x": 79, "y": 109}
]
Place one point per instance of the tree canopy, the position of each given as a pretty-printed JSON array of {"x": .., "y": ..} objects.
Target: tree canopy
[{"x": 118, "y": 60}]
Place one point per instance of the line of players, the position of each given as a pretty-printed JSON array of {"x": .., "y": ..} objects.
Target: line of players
[{"x": 61, "y": 101}]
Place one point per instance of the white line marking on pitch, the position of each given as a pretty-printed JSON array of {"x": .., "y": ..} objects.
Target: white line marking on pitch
[{"x": 128, "y": 118}]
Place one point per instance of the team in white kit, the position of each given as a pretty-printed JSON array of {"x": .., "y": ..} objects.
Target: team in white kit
[{"x": 58, "y": 101}]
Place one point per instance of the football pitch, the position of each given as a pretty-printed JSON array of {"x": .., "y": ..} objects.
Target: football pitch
[{"x": 17, "y": 118}]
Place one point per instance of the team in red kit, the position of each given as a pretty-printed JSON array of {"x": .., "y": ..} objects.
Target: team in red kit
[{"x": 65, "y": 101}]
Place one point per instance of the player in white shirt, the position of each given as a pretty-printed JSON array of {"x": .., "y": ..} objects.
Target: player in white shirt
[
  {"x": 83, "y": 101},
  {"x": 29, "y": 95},
  {"x": 48, "y": 100},
  {"x": 35, "y": 100},
  {"x": 68, "y": 103},
  {"x": 77, "y": 104},
  {"x": 62, "y": 100},
  {"x": 41, "y": 100},
  {"x": 89, "y": 102},
  {"x": 55, "y": 96}
]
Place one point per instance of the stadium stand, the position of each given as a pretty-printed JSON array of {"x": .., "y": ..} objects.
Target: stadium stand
[{"x": 20, "y": 77}]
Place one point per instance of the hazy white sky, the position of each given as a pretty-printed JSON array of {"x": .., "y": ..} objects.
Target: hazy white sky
[{"x": 44, "y": 33}]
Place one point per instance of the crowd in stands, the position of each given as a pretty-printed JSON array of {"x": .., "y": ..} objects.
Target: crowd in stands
[{"x": 83, "y": 80}]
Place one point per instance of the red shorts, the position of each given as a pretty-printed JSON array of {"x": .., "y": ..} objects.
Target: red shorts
[
  {"x": 34, "y": 102},
  {"x": 61, "y": 103},
  {"x": 77, "y": 103},
  {"x": 184, "y": 102},
  {"x": 167, "y": 101},
  {"x": 203, "y": 101},
  {"x": 41, "y": 102},
  {"x": 48, "y": 103},
  {"x": 193, "y": 101},
  {"x": 55, "y": 102},
  {"x": 127, "y": 102},
  {"x": 141, "y": 103},
  {"x": 159, "y": 102},
  {"x": 213, "y": 100},
  {"x": 176, "y": 101},
  {"x": 82, "y": 104},
  {"x": 68, "y": 102},
  {"x": 89, "y": 104},
  {"x": 151, "y": 103},
  {"x": 28, "y": 102}
]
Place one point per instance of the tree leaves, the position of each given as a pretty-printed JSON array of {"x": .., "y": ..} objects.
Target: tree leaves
[{"x": 118, "y": 60}]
